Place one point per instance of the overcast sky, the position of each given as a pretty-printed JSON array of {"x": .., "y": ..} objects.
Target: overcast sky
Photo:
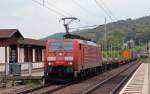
[{"x": 36, "y": 21}]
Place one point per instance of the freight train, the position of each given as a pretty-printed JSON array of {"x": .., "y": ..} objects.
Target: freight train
[
  {"x": 68, "y": 59},
  {"x": 128, "y": 55}
]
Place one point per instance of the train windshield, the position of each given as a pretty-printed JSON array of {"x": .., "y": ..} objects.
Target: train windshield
[{"x": 57, "y": 46}]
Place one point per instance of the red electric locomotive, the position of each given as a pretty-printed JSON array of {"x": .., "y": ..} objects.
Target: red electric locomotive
[{"x": 67, "y": 59}]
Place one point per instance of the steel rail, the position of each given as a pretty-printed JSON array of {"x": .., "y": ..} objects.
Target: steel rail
[
  {"x": 34, "y": 89},
  {"x": 122, "y": 82},
  {"x": 90, "y": 90},
  {"x": 62, "y": 86}
]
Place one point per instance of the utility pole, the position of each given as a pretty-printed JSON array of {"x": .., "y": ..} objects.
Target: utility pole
[
  {"x": 105, "y": 29},
  {"x": 67, "y": 21},
  {"x": 111, "y": 50},
  {"x": 123, "y": 46},
  {"x": 43, "y": 2}
]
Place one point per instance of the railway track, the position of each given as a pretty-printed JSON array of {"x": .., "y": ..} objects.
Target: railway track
[
  {"x": 113, "y": 84},
  {"x": 62, "y": 89},
  {"x": 82, "y": 86},
  {"x": 49, "y": 88},
  {"x": 43, "y": 89}
]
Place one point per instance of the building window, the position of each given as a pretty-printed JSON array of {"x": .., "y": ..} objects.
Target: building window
[
  {"x": 38, "y": 55},
  {"x": 28, "y": 54}
]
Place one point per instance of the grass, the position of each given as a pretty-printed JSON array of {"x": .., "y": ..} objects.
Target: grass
[
  {"x": 114, "y": 53},
  {"x": 33, "y": 83},
  {"x": 138, "y": 48}
]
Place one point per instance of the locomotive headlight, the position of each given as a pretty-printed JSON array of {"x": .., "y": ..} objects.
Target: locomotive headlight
[
  {"x": 69, "y": 58},
  {"x": 51, "y": 58},
  {"x": 70, "y": 63},
  {"x": 49, "y": 63}
]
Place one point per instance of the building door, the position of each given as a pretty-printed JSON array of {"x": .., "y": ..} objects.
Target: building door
[
  {"x": 13, "y": 54},
  {"x": 12, "y": 60}
]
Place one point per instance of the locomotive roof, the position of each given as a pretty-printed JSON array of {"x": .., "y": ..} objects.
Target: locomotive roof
[
  {"x": 88, "y": 42},
  {"x": 80, "y": 41}
]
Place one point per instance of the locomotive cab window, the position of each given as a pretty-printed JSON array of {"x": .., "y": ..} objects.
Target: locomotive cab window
[{"x": 57, "y": 46}]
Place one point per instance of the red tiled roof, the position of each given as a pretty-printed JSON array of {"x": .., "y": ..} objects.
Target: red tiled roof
[
  {"x": 7, "y": 33},
  {"x": 33, "y": 42}
]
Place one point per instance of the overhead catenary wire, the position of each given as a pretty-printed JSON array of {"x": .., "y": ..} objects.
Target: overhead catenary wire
[
  {"x": 106, "y": 6},
  {"x": 92, "y": 26},
  {"x": 83, "y": 8},
  {"x": 59, "y": 9},
  {"x": 52, "y": 10},
  {"x": 101, "y": 7},
  {"x": 46, "y": 4},
  {"x": 64, "y": 11},
  {"x": 108, "y": 9}
]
